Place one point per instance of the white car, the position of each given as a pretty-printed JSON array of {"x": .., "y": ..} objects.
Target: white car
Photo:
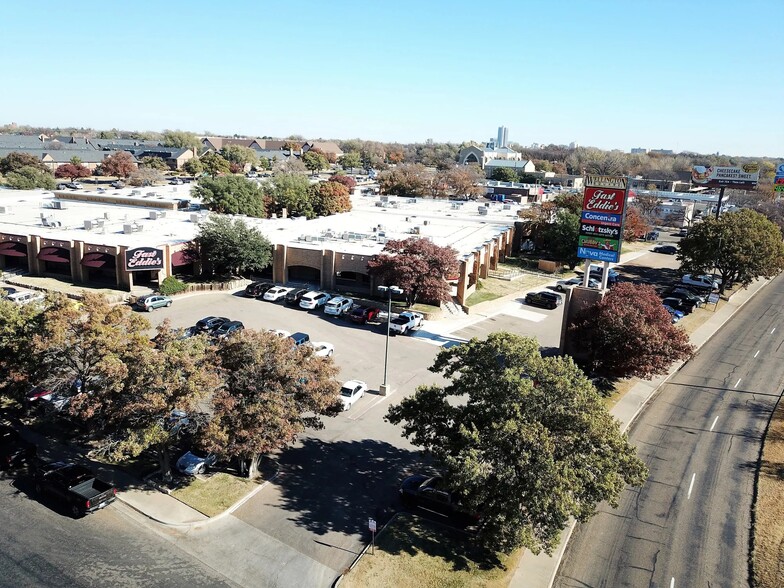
[
  {"x": 26, "y": 297},
  {"x": 322, "y": 348},
  {"x": 280, "y": 333},
  {"x": 700, "y": 281},
  {"x": 276, "y": 293},
  {"x": 314, "y": 299},
  {"x": 338, "y": 306},
  {"x": 352, "y": 391},
  {"x": 563, "y": 285}
]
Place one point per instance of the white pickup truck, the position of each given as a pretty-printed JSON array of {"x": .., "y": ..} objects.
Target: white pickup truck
[{"x": 405, "y": 322}]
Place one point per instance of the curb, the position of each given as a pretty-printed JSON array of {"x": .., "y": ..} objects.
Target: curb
[{"x": 354, "y": 563}]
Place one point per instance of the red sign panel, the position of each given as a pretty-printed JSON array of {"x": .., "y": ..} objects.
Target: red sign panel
[{"x": 608, "y": 200}]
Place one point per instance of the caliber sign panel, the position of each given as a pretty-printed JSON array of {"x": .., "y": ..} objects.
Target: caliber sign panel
[{"x": 601, "y": 221}]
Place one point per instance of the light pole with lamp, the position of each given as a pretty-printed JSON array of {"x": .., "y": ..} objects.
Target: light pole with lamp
[{"x": 390, "y": 291}]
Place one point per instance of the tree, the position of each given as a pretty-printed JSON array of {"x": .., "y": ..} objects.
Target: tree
[
  {"x": 76, "y": 160},
  {"x": 773, "y": 211},
  {"x": 121, "y": 164},
  {"x": 291, "y": 191},
  {"x": 504, "y": 174},
  {"x": 145, "y": 176},
  {"x": 561, "y": 237},
  {"x": 743, "y": 245},
  {"x": 526, "y": 440},
  {"x": 418, "y": 266},
  {"x": 263, "y": 164},
  {"x": 647, "y": 204},
  {"x": 15, "y": 161},
  {"x": 231, "y": 195},
  {"x": 635, "y": 225},
  {"x": 464, "y": 181},
  {"x": 18, "y": 325},
  {"x": 347, "y": 181},
  {"x": 350, "y": 160},
  {"x": 29, "y": 177},
  {"x": 214, "y": 164},
  {"x": 630, "y": 334},
  {"x": 152, "y": 162},
  {"x": 314, "y": 161},
  {"x": 193, "y": 166},
  {"x": 330, "y": 198},
  {"x": 181, "y": 140},
  {"x": 571, "y": 201},
  {"x": 71, "y": 171},
  {"x": 239, "y": 155},
  {"x": 406, "y": 179},
  {"x": 273, "y": 392},
  {"x": 230, "y": 247}
]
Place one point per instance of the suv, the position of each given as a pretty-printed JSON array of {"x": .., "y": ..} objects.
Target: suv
[
  {"x": 338, "y": 306},
  {"x": 228, "y": 328},
  {"x": 703, "y": 281},
  {"x": 430, "y": 494},
  {"x": 314, "y": 299},
  {"x": 209, "y": 323},
  {"x": 293, "y": 297},
  {"x": 363, "y": 314},
  {"x": 25, "y": 297},
  {"x": 544, "y": 299},
  {"x": 299, "y": 338},
  {"x": 153, "y": 301},
  {"x": 257, "y": 289}
]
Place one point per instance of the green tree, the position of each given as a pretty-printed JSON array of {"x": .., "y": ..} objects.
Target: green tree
[
  {"x": 239, "y": 155},
  {"x": 18, "y": 325},
  {"x": 181, "y": 140},
  {"x": 743, "y": 245},
  {"x": 231, "y": 195},
  {"x": 230, "y": 247},
  {"x": 505, "y": 174},
  {"x": 570, "y": 201},
  {"x": 264, "y": 164},
  {"x": 561, "y": 237},
  {"x": 314, "y": 161},
  {"x": 526, "y": 440},
  {"x": 350, "y": 160},
  {"x": 76, "y": 160},
  {"x": 214, "y": 164},
  {"x": 15, "y": 161},
  {"x": 273, "y": 392},
  {"x": 29, "y": 177},
  {"x": 292, "y": 192},
  {"x": 193, "y": 166},
  {"x": 152, "y": 162},
  {"x": 330, "y": 198},
  {"x": 145, "y": 176},
  {"x": 406, "y": 179}
]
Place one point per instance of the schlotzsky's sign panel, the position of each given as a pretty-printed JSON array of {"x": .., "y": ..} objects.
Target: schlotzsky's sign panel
[
  {"x": 744, "y": 177},
  {"x": 143, "y": 258},
  {"x": 601, "y": 221}
]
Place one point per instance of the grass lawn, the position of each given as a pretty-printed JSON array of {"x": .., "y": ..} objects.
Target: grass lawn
[
  {"x": 768, "y": 557},
  {"x": 482, "y": 296},
  {"x": 415, "y": 553},
  {"x": 213, "y": 495}
]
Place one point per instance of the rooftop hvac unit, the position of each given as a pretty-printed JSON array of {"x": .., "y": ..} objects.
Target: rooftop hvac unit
[
  {"x": 427, "y": 222},
  {"x": 6, "y": 209},
  {"x": 415, "y": 230},
  {"x": 151, "y": 194},
  {"x": 57, "y": 204},
  {"x": 88, "y": 225},
  {"x": 379, "y": 203},
  {"x": 156, "y": 214},
  {"x": 195, "y": 217},
  {"x": 482, "y": 211}
]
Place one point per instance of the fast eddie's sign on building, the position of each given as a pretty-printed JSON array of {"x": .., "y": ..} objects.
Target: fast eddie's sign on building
[
  {"x": 143, "y": 259},
  {"x": 601, "y": 220}
]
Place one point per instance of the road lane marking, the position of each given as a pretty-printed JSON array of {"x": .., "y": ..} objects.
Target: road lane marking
[
  {"x": 694, "y": 475},
  {"x": 756, "y": 354},
  {"x": 672, "y": 583},
  {"x": 738, "y": 382},
  {"x": 774, "y": 328},
  {"x": 714, "y": 422}
]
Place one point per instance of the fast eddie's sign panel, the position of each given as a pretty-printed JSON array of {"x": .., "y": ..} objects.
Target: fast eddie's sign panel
[
  {"x": 143, "y": 259},
  {"x": 601, "y": 220},
  {"x": 744, "y": 177}
]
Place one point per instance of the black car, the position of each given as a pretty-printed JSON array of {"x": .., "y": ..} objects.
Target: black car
[
  {"x": 257, "y": 289},
  {"x": 684, "y": 305},
  {"x": 666, "y": 249},
  {"x": 210, "y": 323},
  {"x": 293, "y": 297},
  {"x": 429, "y": 494},
  {"x": 14, "y": 451},
  {"x": 544, "y": 299},
  {"x": 227, "y": 329},
  {"x": 684, "y": 294}
]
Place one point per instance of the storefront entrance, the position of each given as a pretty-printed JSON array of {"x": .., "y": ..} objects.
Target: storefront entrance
[
  {"x": 56, "y": 260},
  {"x": 13, "y": 255},
  {"x": 101, "y": 268}
]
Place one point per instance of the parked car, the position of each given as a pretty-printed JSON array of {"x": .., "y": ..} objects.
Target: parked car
[
  {"x": 153, "y": 301},
  {"x": 314, "y": 299},
  {"x": 74, "y": 485},
  {"x": 209, "y": 323},
  {"x": 563, "y": 285},
  {"x": 14, "y": 450},
  {"x": 69, "y": 185},
  {"x": 544, "y": 299},
  {"x": 683, "y": 232},
  {"x": 118, "y": 184},
  {"x": 257, "y": 289},
  {"x": 685, "y": 295},
  {"x": 406, "y": 322},
  {"x": 685, "y": 306},
  {"x": 299, "y": 338},
  {"x": 429, "y": 493},
  {"x": 597, "y": 271},
  {"x": 666, "y": 249},
  {"x": 26, "y": 297},
  {"x": 701, "y": 293},
  {"x": 322, "y": 348},
  {"x": 175, "y": 182},
  {"x": 652, "y": 236},
  {"x": 352, "y": 391},
  {"x": 228, "y": 328},
  {"x": 338, "y": 306},
  {"x": 195, "y": 462},
  {"x": 276, "y": 293},
  {"x": 363, "y": 314},
  {"x": 676, "y": 315},
  {"x": 296, "y": 294},
  {"x": 703, "y": 281}
]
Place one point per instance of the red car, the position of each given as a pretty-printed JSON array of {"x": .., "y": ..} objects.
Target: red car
[{"x": 363, "y": 314}]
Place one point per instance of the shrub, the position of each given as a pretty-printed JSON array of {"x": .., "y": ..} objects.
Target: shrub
[{"x": 171, "y": 286}]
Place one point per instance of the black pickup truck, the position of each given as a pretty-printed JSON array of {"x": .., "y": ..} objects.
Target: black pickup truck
[{"x": 74, "y": 485}]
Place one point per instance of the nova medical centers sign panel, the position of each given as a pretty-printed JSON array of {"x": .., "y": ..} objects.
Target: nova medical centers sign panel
[{"x": 601, "y": 221}]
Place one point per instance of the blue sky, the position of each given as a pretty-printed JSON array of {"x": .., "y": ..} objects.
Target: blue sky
[{"x": 686, "y": 75}]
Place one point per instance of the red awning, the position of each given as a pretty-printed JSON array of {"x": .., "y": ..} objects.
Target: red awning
[
  {"x": 55, "y": 255},
  {"x": 13, "y": 249},
  {"x": 180, "y": 258},
  {"x": 98, "y": 260}
]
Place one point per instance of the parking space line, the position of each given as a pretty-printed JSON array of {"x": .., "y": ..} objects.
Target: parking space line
[
  {"x": 714, "y": 422},
  {"x": 738, "y": 382},
  {"x": 756, "y": 354},
  {"x": 356, "y": 415},
  {"x": 693, "y": 476}
]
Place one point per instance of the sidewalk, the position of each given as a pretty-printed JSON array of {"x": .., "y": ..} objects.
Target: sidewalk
[{"x": 538, "y": 571}]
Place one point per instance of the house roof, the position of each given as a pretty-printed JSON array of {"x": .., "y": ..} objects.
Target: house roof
[
  {"x": 162, "y": 152},
  {"x": 117, "y": 144},
  {"x": 60, "y": 155},
  {"x": 34, "y": 142},
  {"x": 327, "y": 147},
  {"x": 511, "y": 163},
  {"x": 270, "y": 153}
]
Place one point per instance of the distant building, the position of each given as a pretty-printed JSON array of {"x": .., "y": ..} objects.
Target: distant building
[
  {"x": 573, "y": 145},
  {"x": 503, "y": 137},
  {"x": 518, "y": 165},
  {"x": 661, "y": 152},
  {"x": 494, "y": 150},
  {"x": 639, "y": 151}
]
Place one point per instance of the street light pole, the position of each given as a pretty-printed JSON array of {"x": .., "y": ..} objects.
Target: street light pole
[{"x": 389, "y": 290}]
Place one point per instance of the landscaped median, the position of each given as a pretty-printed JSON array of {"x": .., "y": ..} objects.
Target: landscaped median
[
  {"x": 413, "y": 552},
  {"x": 216, "y": 493}
]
